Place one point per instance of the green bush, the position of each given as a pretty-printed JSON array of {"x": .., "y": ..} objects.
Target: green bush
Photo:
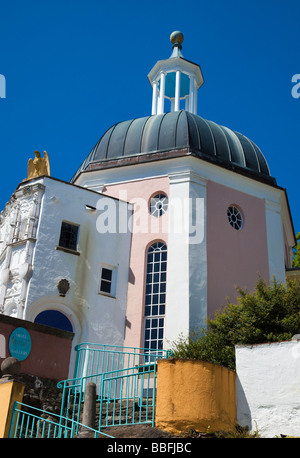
[{"x": 269, "y": 314}]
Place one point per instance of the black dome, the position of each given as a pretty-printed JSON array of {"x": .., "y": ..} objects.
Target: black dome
[{"x": 173, "y": 131}]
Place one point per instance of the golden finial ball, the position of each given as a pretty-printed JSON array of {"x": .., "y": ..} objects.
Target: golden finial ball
[{"x": 176, "y": 37}]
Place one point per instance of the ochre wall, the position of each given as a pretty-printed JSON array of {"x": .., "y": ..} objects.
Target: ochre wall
[
  {"x": 10, "y": 392},
  {"x": 194, "y": 395}
]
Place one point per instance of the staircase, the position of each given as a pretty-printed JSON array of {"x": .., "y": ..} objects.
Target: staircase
[
  {"x": 114, "y": 414},
  {"x": 126, "y": 395}
]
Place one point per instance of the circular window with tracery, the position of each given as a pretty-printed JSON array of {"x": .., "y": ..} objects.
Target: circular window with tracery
[
  {"x": 235, "y": 217},
  {"x": 158, "y": 204}
]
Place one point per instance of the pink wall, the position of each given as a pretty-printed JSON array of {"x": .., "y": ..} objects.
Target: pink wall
[
  {"x": 50, "y": 348},
  {"x": 234, "y": 257},
  {"x": 144, "y": 235}
]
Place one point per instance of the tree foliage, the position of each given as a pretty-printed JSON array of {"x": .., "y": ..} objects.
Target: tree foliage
[
  {"x": 269, "y": 314},
  {"x": 296, "y": 251}
]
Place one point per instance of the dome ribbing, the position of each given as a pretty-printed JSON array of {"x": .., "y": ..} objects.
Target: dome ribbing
[{"x": 176, "y": 131}]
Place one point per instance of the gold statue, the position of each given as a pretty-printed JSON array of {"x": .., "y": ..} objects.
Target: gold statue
[{"x": 39, "y": 166}]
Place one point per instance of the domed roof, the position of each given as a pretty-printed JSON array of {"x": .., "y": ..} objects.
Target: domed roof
[{"x": 152, "y": 137}]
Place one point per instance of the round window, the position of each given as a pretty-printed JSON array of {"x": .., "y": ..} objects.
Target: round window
[
  {"x": 158, "y": 205},
  {"x": 235, "y": 217}
]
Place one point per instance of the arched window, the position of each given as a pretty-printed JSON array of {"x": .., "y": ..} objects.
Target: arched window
[
  {"x": 55, "y": 319},
  {"x": 155, "y": 296}
]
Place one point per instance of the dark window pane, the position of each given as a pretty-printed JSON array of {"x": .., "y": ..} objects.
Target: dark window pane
[
  {"x": 68, "y": 236},
  {"x": 154, "y": 310},
  {"x": 106, "y": 274},
  {"x": 163, "y": 266},
  {"x": 161, "y": 309},
  {"x": 148, "y": 289},
  {"x": 163, "y": 277},
  {"x": 162, "y": 287},
  {"x": 105, "y": 286},
  {"x": 156, "y": 278},
  {"x": 155, "y": 287},
  {"x": 156, "y": 267},
  {"x": 153, "y": 333},
  {"x": 162, "y": 298},
  {"x": 155, "y": 298},
  {"x": 156, "y": 257}
]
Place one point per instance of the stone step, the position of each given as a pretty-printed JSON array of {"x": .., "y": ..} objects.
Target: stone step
[
  {"x": 123, "y": 413},
  {"x": 120, "y": 413}
]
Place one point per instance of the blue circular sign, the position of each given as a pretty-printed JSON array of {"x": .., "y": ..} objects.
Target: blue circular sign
[{"x": 20, "y": 343}]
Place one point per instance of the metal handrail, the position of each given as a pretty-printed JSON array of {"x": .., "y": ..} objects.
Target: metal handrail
[
  {"x": 120, "y": 366},
  {"x": 26, "y": 424},
  {"x": 90, "y": 357},
  {"x": 129, "y": 390}
]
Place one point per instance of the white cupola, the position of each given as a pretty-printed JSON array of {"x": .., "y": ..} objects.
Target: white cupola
[{"x": 175, "y": 79}]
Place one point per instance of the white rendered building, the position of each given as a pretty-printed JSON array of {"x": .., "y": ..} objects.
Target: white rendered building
[
  {"x": 207, "y": 216},
  {"x": 57, "y": 268}
]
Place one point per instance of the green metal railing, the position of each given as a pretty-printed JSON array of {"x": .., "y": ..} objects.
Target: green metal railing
[
  {"x": 30, "y": 422},
  {"x": 118, "y": 371},
  {"x": 99, "y": 358},
  {"x": 130, "y": 396},
  {"x": 125, "y": 378}
]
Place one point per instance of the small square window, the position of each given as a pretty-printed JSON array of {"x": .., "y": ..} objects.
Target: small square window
[
  {"x": 68, "y": 236},
  {"x": 108, "y": 281}
]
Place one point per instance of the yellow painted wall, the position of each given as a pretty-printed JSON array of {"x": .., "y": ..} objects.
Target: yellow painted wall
[
  {"x": 9, "y": 393},
  {"x": 194, "y": 395}
]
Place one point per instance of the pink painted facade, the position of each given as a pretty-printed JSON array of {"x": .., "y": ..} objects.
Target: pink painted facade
[
  {"x": 234, "y": 257},
  {"x": 146, "y": 231}
]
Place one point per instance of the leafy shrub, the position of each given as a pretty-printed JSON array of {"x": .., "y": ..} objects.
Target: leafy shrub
[{"x": 269, "y": 314}]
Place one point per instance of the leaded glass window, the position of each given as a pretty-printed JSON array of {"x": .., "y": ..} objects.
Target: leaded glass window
[
  {"x": 68, "y": 236},
  {"x": 235, "y": 217},
  {"x": 158, "y": 205},
  {"x": 155, "y": 296}
]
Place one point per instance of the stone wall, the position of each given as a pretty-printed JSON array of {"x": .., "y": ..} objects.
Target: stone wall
[{"x": 41, "y": 393}]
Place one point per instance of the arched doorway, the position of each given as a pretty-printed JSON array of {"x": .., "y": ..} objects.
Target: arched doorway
[{"x": 55, "y": 319}]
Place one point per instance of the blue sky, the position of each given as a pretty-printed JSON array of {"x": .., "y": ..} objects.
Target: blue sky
[{"x": 74, "y": 68}]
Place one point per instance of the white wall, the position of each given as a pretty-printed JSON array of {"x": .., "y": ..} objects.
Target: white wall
[
  {"x": 96, "y": 318},
  {"x": 268, "y": 388}
]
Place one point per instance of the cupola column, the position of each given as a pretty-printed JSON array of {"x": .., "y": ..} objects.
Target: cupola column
[
  {"x": 162, "y": 93},
  {"x": 192, "y": 95},
  {"x": 177, "y": 91},
  {"x": 154, "y": 97}
]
